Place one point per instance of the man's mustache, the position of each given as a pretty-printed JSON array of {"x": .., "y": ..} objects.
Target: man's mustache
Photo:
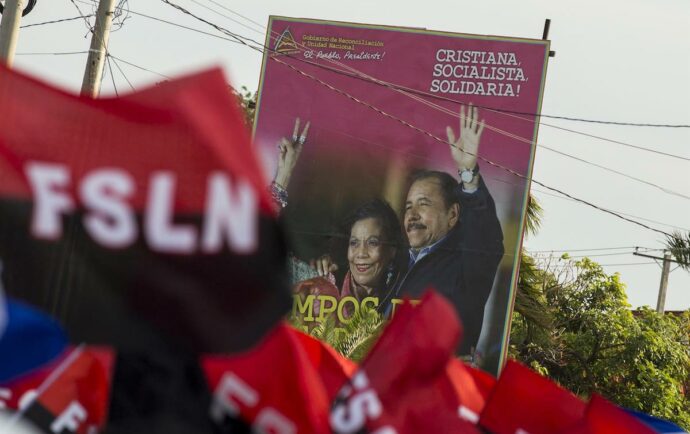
[{"x": 413, "y": 226}]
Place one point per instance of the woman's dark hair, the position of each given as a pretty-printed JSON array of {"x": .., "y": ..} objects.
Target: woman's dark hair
[{"x": 381, "y": 211}]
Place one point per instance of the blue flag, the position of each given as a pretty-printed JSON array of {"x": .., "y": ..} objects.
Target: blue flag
[
  {"x": 29, "y": 340},
  {"x": 658, "y": 425}
]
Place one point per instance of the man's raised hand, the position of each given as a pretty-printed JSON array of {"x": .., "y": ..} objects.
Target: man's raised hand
[{"x": 465, "y": 149}]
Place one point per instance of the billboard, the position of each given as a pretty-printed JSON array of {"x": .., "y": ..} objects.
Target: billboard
[{"x": 402, "y": 160}]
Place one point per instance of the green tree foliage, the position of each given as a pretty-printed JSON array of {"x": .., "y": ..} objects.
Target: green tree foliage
[
  {"x": 590, "y": 341},
  {"x": 353, "y": 339},
  {"x": 247, "y": 100},
  {"x": 572, "y": 323},
  {"x": 679, "y": 245}
]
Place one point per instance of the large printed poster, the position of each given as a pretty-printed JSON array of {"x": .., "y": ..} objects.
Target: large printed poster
[{"x": 401, "y": 161}]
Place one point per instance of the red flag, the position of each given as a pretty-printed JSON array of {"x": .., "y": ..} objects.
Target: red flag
[
  {"x": 70, "y": 395},
  {"x": 143, "y": 221},
  {"x": 603, "y": 417},
  {"x": 472, "y": 387},
  {"x": 274, "y": 387},
  {"x": 524, "y": 400},
  {"x": 333, "y": 368},
  {"x": 402, "y": 386}
]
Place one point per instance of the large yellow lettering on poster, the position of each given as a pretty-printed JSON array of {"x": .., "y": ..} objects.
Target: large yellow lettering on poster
[{"x": 317, "y": 308}]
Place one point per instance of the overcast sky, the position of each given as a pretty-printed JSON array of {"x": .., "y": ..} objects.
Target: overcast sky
[{"x": 619, "y": 60}]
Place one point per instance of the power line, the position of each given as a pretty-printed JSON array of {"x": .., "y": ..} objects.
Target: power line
[
  {"x": 625, "y": 175},
  {"x": 241, "y": 38},
  {"x": 623, "y": 264},
  {"x": 237, "y": 38},
  {"x": 55, "y": 21},
  {"x": 596, "y": 249},
  {"x": 112, "y": 77},
  {"x": 539, "y": 115},
  {"x": 238, "y": 14},
  {"x": 478, "y": 156},
  {"x": 122, "y": 72},
  {"x": 84, "y": 17},
  {"x": 140, "y": 67},
  {"x": 597, "y": 255},
  {"x": 64, "y": 53},
  {"x": 227, "y": 17},
  {"x": 619, "y": 212},
  {"x": 618, "y": 142},
  {"x": 407, "y": 124},
  {"x": 505, "y": 112},
  {"x": 175, "y": 24}
]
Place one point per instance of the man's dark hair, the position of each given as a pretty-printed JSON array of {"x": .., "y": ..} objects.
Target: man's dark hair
[{"x": 448, "y": 184}]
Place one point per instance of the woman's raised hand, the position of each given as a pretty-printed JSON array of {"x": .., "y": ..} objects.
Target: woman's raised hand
[{"x": 289, "y": 151}]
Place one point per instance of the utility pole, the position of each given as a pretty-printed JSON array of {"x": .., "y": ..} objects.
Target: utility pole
[
  {"x": 661, "y": 301},
  {"x": 91, "y": 85},
  {"x": 665, "y": 270},
  {"x": 9, "y": 30}
]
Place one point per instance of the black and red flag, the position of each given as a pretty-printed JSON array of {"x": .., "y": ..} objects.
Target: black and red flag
[{"x": 141, "y": 222}]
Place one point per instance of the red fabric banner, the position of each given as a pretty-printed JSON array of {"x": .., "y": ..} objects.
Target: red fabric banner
[
  {"x": 69, "y": 395},
  {"x": 403, "y": 386},
  {"x": 524, "y": 400},
  {"x": 141, "y": 222},
  {"x": 603, "y": 417},
  {"x": 277, "y": 386}
]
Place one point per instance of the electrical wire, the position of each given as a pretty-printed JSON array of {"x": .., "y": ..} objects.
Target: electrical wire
[
  {"x": 112, "y": 76},
  {"x": 213, "y": 35},
  {"x": 625, "y": 175},
  {"x": 64, "y": 53},
  {"x": 537, "y": 115},
  {"x": 441, "y": 108},
  {"x": 596, "y": 249},
  {"x": 261, "y": 32},
  {"x": 81, "y": 14},
  {"x": 140, "y": 67},
  {"x": 122, "y": 72},
  {"x": 407, "y": 124},
  {"x": 619, "y": 212},
  {"x": 54, "y": 22},
  {"x": 440, "y": 97},
  {"x": 237, "y": 14},
  {"x": 511, "y": 171},
  {"x": 597, "y": 255},
  {"x": 623, "y": 264}
]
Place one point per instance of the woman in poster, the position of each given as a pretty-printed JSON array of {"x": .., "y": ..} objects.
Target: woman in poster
[{"x": 375, "y": 247}]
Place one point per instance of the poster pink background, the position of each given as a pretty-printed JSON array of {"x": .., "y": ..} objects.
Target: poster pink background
[{"x": 352, "y": 151}]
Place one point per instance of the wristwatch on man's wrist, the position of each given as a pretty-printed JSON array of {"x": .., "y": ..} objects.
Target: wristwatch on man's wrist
[{"x": 467, "y": 175}]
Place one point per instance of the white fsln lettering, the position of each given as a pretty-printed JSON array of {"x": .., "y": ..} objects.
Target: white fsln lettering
[
  {"x": 49, "y": 203},
  {"x": 69, "y": 419},
  {"x": 229, "y": 389},
  {"x": 351, "y": 416},
  {"x": 233, "y": 391},
  {"x": 110, "y": 220},
  {"x": 160, "y": 231},
  {"x": 230, "y": 211},
  {"x": 27, "y": 399},
  {"x": 467, "y": 414},
  {"x": 385, "y": 430},
  {"x": 270, "y": 420}
]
